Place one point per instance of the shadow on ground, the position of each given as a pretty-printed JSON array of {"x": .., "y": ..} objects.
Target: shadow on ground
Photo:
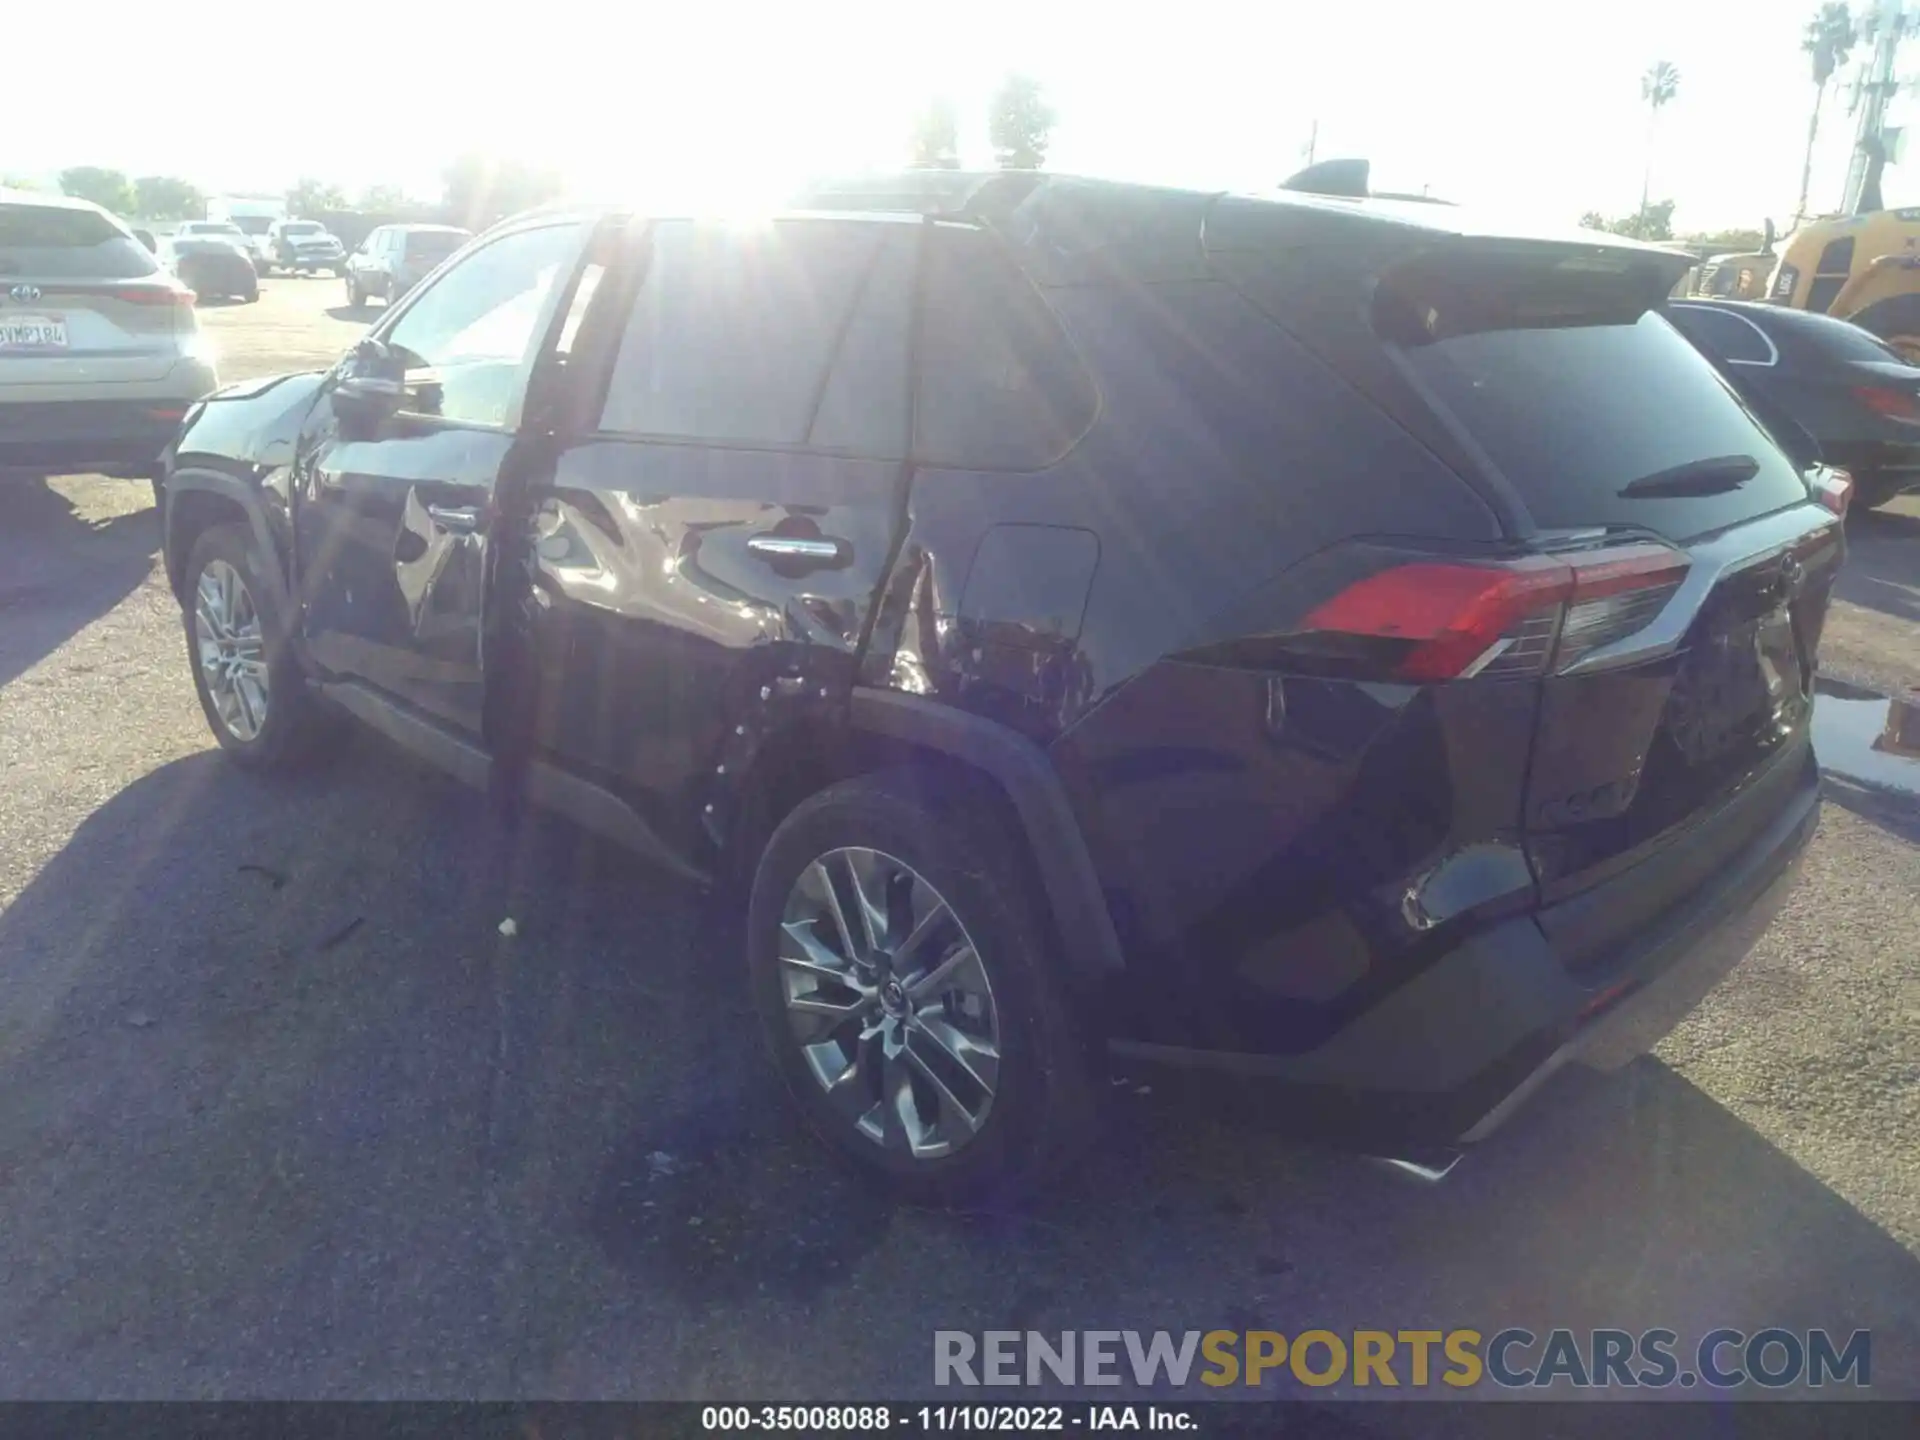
[
  {"x": 59, "y": 571},
  {"x": 284, "y": 1113},
  {"x": 1883, "y": 563}
]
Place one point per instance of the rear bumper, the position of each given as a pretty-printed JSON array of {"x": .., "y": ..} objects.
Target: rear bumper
[
  {"x": 1454, "y": 1052},
  {"x": 1881, "y": 469},
  {"x": 79, "y": 437}
]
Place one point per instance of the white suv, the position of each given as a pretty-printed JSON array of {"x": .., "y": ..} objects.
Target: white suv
[{"x": 100, "y": 352}]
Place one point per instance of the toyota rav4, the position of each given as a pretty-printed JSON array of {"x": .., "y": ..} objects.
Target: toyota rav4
[{"x": 1315, "y": 641}]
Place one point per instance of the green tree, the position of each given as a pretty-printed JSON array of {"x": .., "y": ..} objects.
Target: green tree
[
  {"x": 1827, "y": 41},
  {"x": 383, "y": 199},
  {"x": 109, "y": 189},
  {"x": 1654, "y": 222},
  {"x": 167, "y": 197},
  {"x": 1020, "y": 123},
  {"x": 1728, "y": 242},
  {"x": 936, "y": 137},
  {"x": 1657, "y": 87},
  {"x": 311, "y": 197},
  {"x": 480, "y": 191},
  {"x": 19, "y": 182}
]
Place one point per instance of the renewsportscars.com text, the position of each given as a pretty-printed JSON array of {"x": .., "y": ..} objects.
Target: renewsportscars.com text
[{"x": 1721, "y": 1359}]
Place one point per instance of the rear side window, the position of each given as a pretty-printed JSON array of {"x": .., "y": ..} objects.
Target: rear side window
[
  {"x": 58, "y": 243},
  {"x": 1001, "y": 387},
  {"x": 1573, "y": 414},
  {"x": 864, "y": 406},
  {"x": 1722, "y": 335},
  {"x": 1815, "y": 338},
  {"x": 734, "y": 327}
]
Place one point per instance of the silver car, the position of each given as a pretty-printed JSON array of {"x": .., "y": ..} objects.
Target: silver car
[{"x": 100, "y": 351}]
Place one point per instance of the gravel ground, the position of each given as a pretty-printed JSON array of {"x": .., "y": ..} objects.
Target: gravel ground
[{"x": 282, "y": 1113}]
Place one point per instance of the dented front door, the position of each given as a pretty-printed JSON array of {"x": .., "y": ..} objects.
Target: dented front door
[{"x": 392, "y": 535}]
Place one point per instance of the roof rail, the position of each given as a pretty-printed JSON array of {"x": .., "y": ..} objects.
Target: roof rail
[{"x": 954, "y": 194}]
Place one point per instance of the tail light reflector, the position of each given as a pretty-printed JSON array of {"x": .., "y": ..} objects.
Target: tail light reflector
[
  {"x": 152, "y": 294},
  {"x": 1452, "y": 620},
  {"x": 1831, "y": 487}
]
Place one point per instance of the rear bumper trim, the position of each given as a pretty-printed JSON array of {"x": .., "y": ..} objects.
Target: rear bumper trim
[{"x": 1458, "y": 1049}]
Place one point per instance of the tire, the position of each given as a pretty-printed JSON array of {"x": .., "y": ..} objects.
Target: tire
[
  {"x": 354, "y": 298},
  {"x": 295, "y": 722},
  {"x": 250, "y": 295},
  {"x": 1037, "y": 1110}
]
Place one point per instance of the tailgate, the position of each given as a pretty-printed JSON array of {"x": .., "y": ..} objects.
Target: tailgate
[
  {"x": 65, "y": 332},
  {"x": 1666, "y": 705}
]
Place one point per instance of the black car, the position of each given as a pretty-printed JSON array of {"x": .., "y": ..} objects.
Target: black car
[
  {"x": 1849, "y": 399},
  {"x": 1317, "y": 644},
  {"x": 214, "y": 268},
  {"x": 395, "y": 258}
]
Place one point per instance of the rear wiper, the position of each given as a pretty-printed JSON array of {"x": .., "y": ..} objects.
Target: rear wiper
[{"x": 1715, "y": 476}]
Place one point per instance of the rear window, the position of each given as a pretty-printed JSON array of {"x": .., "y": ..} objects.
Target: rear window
[
  {"x": 1816, "y": 338},
  {"x": 432, "y": 245},
  {"x": 305, "y": 227},
  {"x": 59, "y": 243},
  {"x": 1571, "y": 415}
]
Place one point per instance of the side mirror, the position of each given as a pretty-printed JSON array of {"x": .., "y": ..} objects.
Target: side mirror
[
  {"x": 145, "y": 237},
  {"x": 363, "y": 403}
]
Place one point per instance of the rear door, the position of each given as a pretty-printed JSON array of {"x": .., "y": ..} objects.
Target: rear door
[
  {"x": 391, "y": 524},
  {"x": 82, "y": 302},
  {"x": 709, "y": 548}
]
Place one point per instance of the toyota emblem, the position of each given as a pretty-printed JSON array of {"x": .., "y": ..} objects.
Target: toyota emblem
[{"x": 25, "y": 294}]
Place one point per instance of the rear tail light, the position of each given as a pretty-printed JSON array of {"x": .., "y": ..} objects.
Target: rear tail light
[
  {"x": 1831, "y": 487},
  {"x": 152, "y": 294},
  {"x": 1452, "y": 620},
  {"x": 1889, "y": 404}
]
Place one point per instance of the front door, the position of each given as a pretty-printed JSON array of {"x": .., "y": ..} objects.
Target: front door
[{"x": 393, "y": 495}]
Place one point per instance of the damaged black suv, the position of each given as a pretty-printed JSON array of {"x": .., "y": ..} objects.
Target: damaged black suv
[{"x": 1308, "y": 640}]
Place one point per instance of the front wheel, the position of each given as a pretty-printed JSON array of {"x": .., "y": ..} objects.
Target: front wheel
[
  {"x": 909, "y": 998},
  {"x": 354, "y": 298},
  {"x": 256, "y": 701}
]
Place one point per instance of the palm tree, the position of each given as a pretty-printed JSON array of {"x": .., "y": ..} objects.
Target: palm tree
[
  {"x": 1657, "y": 87},
  {"x": 1828, "y": 40}
]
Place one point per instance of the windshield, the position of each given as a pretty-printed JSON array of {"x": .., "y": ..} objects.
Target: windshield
[{"x": 253, "y": 224}]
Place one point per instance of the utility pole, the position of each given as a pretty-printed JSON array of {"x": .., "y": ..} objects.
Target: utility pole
[
  {"x": 1313, "y": 141},
  {"x": 1887, "y": 26}
]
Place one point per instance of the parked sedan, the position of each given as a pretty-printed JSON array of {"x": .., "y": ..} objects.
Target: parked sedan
[
  {"x": 212, "y": 266},
  {"x": 1849, "y": 399}
]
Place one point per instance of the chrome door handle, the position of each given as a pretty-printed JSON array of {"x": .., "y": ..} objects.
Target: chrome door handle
[
  {"x": 796, "y": 547},
  {"x": 462, "y": 519}
]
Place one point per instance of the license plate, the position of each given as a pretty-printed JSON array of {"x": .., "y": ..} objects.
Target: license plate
[{"x": 33, "y": 332}]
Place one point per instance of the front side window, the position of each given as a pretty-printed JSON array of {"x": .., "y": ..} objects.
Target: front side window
[{"x": 475, "y": 328}]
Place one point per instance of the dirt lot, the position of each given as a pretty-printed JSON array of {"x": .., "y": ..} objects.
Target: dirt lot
[{"x": 282, "y": 1113}]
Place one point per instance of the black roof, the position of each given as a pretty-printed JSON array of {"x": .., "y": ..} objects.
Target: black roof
[{"x": 1061, "y": 217}]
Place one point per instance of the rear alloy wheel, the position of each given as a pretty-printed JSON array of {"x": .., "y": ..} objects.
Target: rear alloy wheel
[
  {"x": 255, "y": 699},
  {"x": 909, "y": 997},
  {"x": 889, "y": 1003}
]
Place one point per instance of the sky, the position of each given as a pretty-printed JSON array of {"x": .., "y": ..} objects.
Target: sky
[{"x": 1517, "y": 103}]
